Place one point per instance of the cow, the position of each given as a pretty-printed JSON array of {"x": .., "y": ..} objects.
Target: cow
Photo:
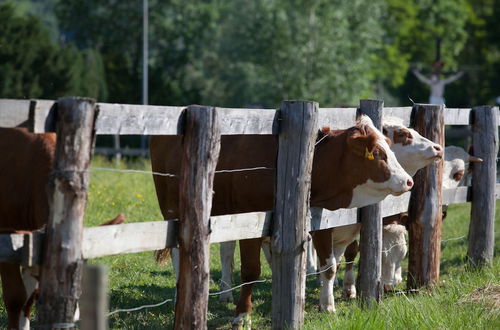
[
  {"x": 25, "y": 167},
  {"x": 456, "y": 164},
  {"x": 351, "y": 168},
  {"x": 412, "y": 151}
]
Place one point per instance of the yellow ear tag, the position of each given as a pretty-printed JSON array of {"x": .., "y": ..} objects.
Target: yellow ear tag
[{"x": 369, "y": 155}]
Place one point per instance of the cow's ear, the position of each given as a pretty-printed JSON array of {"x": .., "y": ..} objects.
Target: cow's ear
[
  {"x": 360, "y": 143},
  {"x": 403, "y": 219}
]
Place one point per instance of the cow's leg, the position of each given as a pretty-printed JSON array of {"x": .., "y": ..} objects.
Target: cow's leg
[
  {"x": 227, "y": 265},
  {"x": 328, "y": 266},
  {"x": 388, "y": 268},
  {"x": 349, "y": 290},
  {"x": 397, "y": 274},
  {"x": 14, "y": 295},
  {"x": 30, "y": 282},
  {"x": 250, "y": 271}
]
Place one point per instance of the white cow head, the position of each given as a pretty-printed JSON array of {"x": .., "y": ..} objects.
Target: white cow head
[
  {"x": 456, "y": 165},
  {"x": 412, "y": 150},
  {"x": 398, "y": 181}
]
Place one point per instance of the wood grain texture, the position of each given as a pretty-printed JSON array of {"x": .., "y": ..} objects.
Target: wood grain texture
[
  {"x": 94, "y": 304},
  {"x": 485, "y": 144},
  {"x": 403, "y": 113},
  {"x": 60, "y": 284},
  {"x": 324, "y": 219},
  {"x": 298, "y": 131},
  {"x": 227, "y": 228},
  {"x": 151, "y": 119},
  {"x": 129, "y": 238},
  {"x": 370, "y": 252},
  {"x": 42, "y": 116},
  {"x": 11, "y": 248},
  {"x": 336, "y": 118},
  {"x": 199, "y": 158},
  {"x": 425, "y": 210},
  {"x": 14, "y": 113},
  {"x": 123, "y": 119}
]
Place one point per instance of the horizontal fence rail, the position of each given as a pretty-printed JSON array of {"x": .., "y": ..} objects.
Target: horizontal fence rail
[
  {"x": 41, "y": 116},
  {"x": 155, "y": 235},
  {"x": 130, "y": 119}
]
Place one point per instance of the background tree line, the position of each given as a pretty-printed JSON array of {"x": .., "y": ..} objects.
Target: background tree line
[{"x": 237, "y": 52}]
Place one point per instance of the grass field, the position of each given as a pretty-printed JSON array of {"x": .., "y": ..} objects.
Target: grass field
[{"x": 463, "y": 298}]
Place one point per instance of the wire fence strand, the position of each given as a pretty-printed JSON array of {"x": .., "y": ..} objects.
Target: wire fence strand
[
  {"x": 171, "y": 175},
  {"x": 269, "y": 280}
]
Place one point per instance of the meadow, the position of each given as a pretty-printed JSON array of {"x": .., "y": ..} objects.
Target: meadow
[{"x": 462, "y": 299}]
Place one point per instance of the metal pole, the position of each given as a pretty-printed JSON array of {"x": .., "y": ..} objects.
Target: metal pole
[{"x": 145, "y": 57}]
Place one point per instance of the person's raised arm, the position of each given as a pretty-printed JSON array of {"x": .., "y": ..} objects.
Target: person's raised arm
[
  {"x": 421, "y": 77},
  {"x": 454, "y": 77}
]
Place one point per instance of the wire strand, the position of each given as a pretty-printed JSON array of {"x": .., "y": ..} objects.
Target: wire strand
[
  {"x": 107, "y": 169},
  {"x": 140, "y": 307}
]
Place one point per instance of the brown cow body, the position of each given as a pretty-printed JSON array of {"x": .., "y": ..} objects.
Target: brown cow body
[
  {"x": 25, "y": 166},
  {"x": 342, "y": 176}
]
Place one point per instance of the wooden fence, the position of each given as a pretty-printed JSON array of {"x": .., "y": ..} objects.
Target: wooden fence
[{"x": 77, "y": 120}]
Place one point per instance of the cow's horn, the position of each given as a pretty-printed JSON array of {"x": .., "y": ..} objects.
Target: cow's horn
[{"x": 473, "y": 159}]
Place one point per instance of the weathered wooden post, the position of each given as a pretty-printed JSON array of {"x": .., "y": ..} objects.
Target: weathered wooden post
[
  {"x": 62, "y": 256},
  {"x": 370, "y": 259},
  {"x": 297, "y": 138},
  {"x": 199, "y": 159},
  {"x": 485, "y": 146},
  {"x": 94, "y": 303},
  {"x": 425, "y": 209}
]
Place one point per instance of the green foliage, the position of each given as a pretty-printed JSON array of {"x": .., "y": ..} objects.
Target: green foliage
[
  {"x": 237, "y": 53},
  {"x": 32, "y": 65},
  {"x": 274, "y": 50},
  {"x": 178, "y": 32}
]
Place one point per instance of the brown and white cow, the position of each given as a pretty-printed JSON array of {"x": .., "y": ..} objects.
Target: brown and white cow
[
  {"x": 25, "y": 166},
  {"x": 412, "y": 151},
  {"x": 351, "y": 168},
  {"x": 394, "y": 248}
]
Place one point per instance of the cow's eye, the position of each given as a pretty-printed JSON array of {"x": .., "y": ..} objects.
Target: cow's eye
[{"x": 376, "y": 154}]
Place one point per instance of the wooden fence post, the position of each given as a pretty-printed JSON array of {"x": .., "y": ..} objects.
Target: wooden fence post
[
  {"x": 425, "y": 209},
  {"x": 94, "y": 302},
  {"x": 293, "y": 184},
  {"x": 62, "y": 255},
  {"x": 199, "y": 159},
  {"x": 484, "y": 175},
  {"x": 370, "y": 259}
]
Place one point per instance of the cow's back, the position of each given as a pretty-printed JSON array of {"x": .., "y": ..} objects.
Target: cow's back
[
  {"x": 234, "y": 192},
  {"x": 25, "y": 163}
]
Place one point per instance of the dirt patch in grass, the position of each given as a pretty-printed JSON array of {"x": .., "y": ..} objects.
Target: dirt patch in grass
[{"x": 488, "y": 295}]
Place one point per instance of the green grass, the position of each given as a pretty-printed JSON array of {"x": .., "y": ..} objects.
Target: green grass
[{"x": 136, "y": 280}]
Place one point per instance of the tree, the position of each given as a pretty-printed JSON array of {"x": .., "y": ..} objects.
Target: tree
[
  {"x": 270, "y": 50},
  {"x": 178, "y": 32},
  {"x": 413, "y": 30},
  {"x": 32, "y": 65},
  {"x": 481, "y": 56}
]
